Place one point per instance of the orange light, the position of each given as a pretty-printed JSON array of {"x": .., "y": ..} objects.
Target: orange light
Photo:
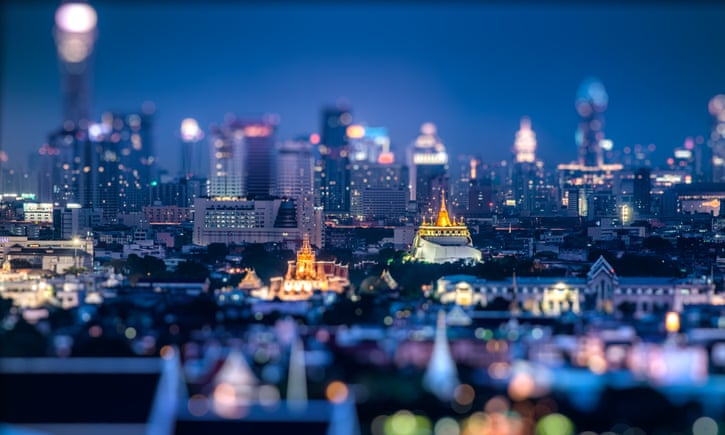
[
  {"x": 672, "y": 322},
  {"x": 355, "y": 131},
  {"x": 336, "y": 392}
]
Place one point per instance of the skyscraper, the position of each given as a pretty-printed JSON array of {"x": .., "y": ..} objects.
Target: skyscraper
[
  {"x": 526, "y": 172},
  {"x": 295, "y": 180},
  {"x": 226, "y": 155},
  {"x": 75, "y": 33},
  {"x": 241, "y": 155},
  {"x": 259, "y": 142},
  {"x": 642, "y": 186},
  {"x": 194, "y": 159},
  {"x": 334, "y": 153},
  {"x": 591, "y": 102},
  {"x": 68, "y": 156},
  {"x": 120, "y": 169},
  {"x": 428, "y": 163}
]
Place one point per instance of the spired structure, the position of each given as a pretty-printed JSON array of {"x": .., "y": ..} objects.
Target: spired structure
[
  {"x": 307, "y": 274},
  {"x": 444, "y": 240}
]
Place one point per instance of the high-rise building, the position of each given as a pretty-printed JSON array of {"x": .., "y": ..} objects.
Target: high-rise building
[
  {"x": 241, "y": 155},
  {"x": 642, "y": 196},
  {"x": 591, "y": 102},
  {"x": 194, "y": 156},
  {"x": 226, "y": 154},
  {"x": 62, "y": 177},
  {"x": 428, "y": 163},
  {"x": 335, "y": 164},
  {"x": 295, "y": 181},
  {"x": 259, "y": 141},
  {"x": 121, "y": 168},
  {"x": 716, "y": 144},
  {"x": 75, "y": 34},
  {"x": 526, "y": 172}
]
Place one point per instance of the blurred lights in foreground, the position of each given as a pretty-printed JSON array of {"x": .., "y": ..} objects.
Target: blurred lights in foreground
[
  {"x": 336, "y": 392},
  {"x": 672, "y": 322}
]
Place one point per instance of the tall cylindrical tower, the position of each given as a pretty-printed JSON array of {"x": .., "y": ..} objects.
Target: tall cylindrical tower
[{"x": 75, "y": 33}]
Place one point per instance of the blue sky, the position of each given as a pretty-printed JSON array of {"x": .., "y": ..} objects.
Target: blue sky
[{"x": 471, "y": 68}]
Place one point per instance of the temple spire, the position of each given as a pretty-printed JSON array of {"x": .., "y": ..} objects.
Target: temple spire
[{"x": 443, "y": 219}]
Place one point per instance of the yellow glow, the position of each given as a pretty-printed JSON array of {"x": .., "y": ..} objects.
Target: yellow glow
[
  {"x": 672, "y": 322},
  {"x": 355, "y": 131}
]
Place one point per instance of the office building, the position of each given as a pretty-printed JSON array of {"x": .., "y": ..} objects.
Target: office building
[
  {"x": 334, "y": 160},
  {"x": 591, "y": 102},
  {"x": 428, "y": 163}
]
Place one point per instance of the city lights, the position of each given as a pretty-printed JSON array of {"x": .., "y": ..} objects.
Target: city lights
[{"x": 319, "y": 227}]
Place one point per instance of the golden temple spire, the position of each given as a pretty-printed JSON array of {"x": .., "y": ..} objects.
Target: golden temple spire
[
  {"x": 305, "y": 260},
  {"x": 443, "y": 219}
]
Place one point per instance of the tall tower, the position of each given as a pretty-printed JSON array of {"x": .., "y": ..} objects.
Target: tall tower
[
  {"x": 526, "y": 172},
  {"x": 591, "y": 102},
  {"x": 716, "y": 143},
  {"x": 68, "y": 156},
  {"x": 75, "y": 33},
  {"x": 525, "y": 143},
  {"x": 641, "y": 191},
  {"x": 226, "y": 155},
  {"x": 428, "y": 163},
  {"x": 259, "y": 138},
  {"x": 295, "y": 180},
  {"x": 334, "y": 152},
  {"x": 192, "y": 157}
]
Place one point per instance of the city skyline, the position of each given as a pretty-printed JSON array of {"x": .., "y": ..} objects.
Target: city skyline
[{"x": 486, "y": 67}]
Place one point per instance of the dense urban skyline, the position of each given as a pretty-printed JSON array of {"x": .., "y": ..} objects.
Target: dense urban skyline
[{"x": 473, "y": 69}]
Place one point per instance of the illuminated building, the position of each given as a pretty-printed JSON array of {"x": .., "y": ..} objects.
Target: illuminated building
[
  {"x": 226, "y": 155},
  {"x": 642, "y": 186},
  {"x": 716, "y": 143},
  {"x": 600, "y": 289},
  {"x": 369, "y": 144},
  {"x": 444, "y": 240},
  {"x": 125, "y": 165},
  {"x": 526, "y": 172},
  {"x": 693, "y": 198},
  {"x": 335, "y": 165},
  {"x": 259, "y": 142},
  {"x": 378, "y": 186},
  {"x": 307, "y": 274},
  {"x": 194, "y": 157},
  {"x": 241, "y": 153},
  {"x": 378, "y": 191},
  {"x": 591, "y": 102},
  {"x": 242, "y": 221},
  {"x": 428, "y": 164},
  {"x": 68, "y": 151},
  {"x": 75, "y": 34},
  {"x": 295, "y": 180}
]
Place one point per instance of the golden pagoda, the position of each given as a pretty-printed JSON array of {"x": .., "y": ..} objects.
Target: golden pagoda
[
  {"x": 307, "y": 274},
  {"x": 446, "y": 240}
]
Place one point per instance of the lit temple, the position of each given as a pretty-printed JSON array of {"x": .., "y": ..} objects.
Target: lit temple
[
  {"x": 307, "y": 274},
  {"x": 445, "y": 240}
]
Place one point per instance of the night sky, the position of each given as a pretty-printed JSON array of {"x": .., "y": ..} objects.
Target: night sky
[{"x": 471, "y": 68}]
